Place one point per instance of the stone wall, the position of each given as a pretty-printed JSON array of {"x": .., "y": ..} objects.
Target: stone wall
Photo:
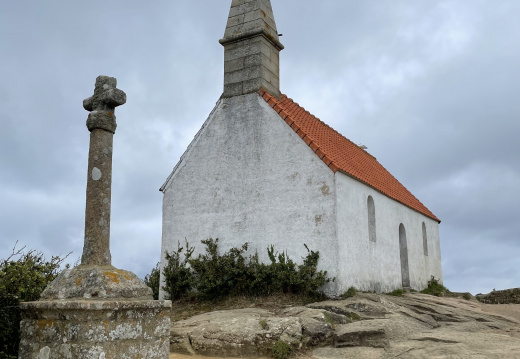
[
  {"x": 251, "y": 65},
  {"x": 507, "y": 296},
  {"x": 252, "y": 46},
  {"x": 95, "y": 329}
]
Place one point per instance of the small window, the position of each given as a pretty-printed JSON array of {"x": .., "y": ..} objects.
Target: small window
[
  {"x": 403, "y": 249},
  {"x": 424, "y": 239},
  {"x": 371, "y": 219}
]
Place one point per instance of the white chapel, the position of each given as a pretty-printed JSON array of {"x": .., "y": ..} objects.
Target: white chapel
[{"x": 263, "y": 170}]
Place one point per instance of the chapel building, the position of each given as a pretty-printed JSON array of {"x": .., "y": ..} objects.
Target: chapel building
[{"x": 263, "y": 170}]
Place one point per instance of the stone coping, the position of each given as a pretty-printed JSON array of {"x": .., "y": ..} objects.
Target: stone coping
[
  {"x": 96, "y": 304},
  {"x": 249, "y": 34},
  {"x": 96, "y": 283}
]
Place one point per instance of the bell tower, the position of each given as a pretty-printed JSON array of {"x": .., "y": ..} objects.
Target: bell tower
[{"x": 251, "y": 49}]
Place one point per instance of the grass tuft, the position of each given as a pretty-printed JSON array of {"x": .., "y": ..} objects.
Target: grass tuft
[
  {"x": 397, "y": 293},
  {"x": 281, "y": 350},
  {"x": 435, "y": 288}
]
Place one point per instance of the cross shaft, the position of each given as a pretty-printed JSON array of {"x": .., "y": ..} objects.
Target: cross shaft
[{"x": 101, "y": 123}]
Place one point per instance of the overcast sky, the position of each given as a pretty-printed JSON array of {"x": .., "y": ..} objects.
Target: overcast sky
[{"x": 432, "y": 88}]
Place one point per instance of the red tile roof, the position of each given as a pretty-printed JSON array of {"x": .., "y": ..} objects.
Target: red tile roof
[{"x": 341, "y": 154}]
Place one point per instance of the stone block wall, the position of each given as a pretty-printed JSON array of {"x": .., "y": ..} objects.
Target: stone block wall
[
  {"x": 507, "y": 296},
  {"x": 249, "y": 15},
  {"x": 95, "y": 329},
  {"x": 250, "y": 65}
]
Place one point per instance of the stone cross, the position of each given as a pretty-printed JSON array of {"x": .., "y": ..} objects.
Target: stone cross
[{"x": 102, "y": 125}]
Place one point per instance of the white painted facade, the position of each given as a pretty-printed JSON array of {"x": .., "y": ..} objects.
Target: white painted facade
[
  {"x": 376, "y": 266},
  {"x": 248, "y": 177}
]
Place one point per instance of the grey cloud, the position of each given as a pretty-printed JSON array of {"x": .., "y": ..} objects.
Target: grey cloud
[{"x": 430, "y": 87}]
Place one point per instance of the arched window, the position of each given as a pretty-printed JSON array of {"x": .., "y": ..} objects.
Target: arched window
[
  {"x": 403, "y": 249},
  {"x": 371, "y": 219},
  {"x": 424, "y": 239}
]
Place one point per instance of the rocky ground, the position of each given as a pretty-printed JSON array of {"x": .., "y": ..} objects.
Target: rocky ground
[{"x": 364, "y": 326}]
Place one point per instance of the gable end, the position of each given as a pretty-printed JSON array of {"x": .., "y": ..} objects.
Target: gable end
[{"x": 341, "y": 154}]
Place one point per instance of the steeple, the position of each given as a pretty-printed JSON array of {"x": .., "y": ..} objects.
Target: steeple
[{"x": 251, "y": 49}]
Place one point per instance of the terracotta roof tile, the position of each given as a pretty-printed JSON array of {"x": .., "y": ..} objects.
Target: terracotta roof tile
[{"x": 339, "y": 153}]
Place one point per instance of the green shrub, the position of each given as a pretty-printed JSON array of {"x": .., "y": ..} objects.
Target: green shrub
[
  {"x": 9, "y": 325},
  {"x": 435, "y": 288},
  {"x": 178, "y": 275},
  {"x": 283, "y": 275},
  {"x": 466, "y": 296},
  {"x": 281, "y": 350},
  {"x": 349, "y": 293},
  {"x": 309, "y": 278},
  {"x": 21, "y": 280},
  {"x": 263, "y": 323},
  {"x": 153, "y": 280},
  {"x": 217, "y": 275},
  {"x": 212, "y": 276},
  {"x": 397, "y": 293}
]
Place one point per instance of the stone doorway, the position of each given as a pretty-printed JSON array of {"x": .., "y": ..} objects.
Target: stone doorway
[{"x": 403, "y": 249}]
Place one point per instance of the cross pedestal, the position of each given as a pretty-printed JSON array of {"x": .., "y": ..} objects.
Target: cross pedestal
[{"x": 96, "y": 310}]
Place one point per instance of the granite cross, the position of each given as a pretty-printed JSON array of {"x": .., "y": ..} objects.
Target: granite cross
[{"x": 101, "y": 123}]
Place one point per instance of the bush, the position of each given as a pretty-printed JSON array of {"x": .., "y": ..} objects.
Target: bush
[
  {"x": 217, "y": 275},
  {"x": 282, "y": 275},
  {"x": 435, "y": 288},
  {"x": 153, "y": 280},
  {"x": 178, "y": 275},
  {"x": 281, "y": 350},
  {"x": 9, "y": 325},
  {"x": 21, "y": 280},
  {"x": 212, "y": 276}
]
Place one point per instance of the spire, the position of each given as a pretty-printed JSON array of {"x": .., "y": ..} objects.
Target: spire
[{"x": 251, "y": 49}]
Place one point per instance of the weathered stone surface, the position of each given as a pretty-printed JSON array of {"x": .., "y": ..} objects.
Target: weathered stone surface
[
  {"x": 316, "y": 332},
  {"x": 361, "y": 334},
  {"x": 317, "y": 325},
  {"x": 412, "y": 326},
  {"x": 316, "y": 314},
  {"x": 96, "y": 249},
  {"x": 233, "y": 333},
  {"x": 251, "y": 17},
  {"x": 94, "y": 282},
  {"x": 360, "y": 308},
  {"x": 101, "y": 123},
  {"x": 103, "y": 103},
  {"x": 252, "y": 46},
  {"x": 95, "y": 329},
  {"x": 342, "y": 353}
]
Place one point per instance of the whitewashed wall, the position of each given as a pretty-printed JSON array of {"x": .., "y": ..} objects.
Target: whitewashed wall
[
  {"x": 376, "y": 266},
  {"x": 247, "y": 177}
]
